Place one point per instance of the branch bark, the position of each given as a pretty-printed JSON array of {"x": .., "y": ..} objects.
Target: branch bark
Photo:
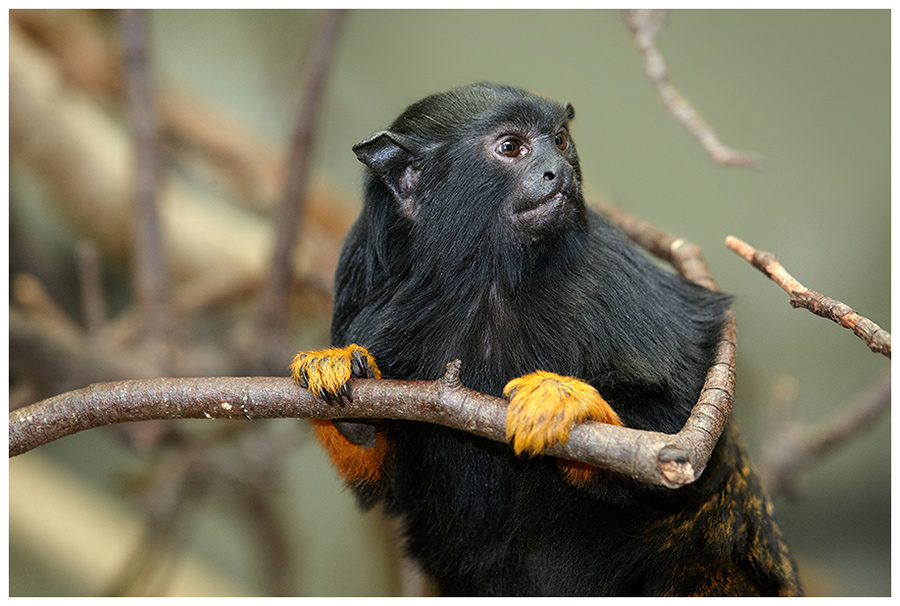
[
  {"x": 875, "y": 337},
  {"x": 685, "y": 256},
  {"x": 664, "y": 459}
]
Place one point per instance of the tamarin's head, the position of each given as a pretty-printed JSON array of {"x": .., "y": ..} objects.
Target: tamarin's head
[{"x": 481, "y": 165}]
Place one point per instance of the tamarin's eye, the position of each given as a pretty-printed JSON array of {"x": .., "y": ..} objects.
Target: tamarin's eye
[
  {"x": 561, "y": 140},
  {"x": 511, "y": 148}
]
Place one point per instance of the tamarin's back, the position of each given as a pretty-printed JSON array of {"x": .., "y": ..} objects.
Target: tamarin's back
[{"x": 475, "y": 243}]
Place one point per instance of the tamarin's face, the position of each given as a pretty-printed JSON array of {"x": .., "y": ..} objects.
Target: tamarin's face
[
  {"x": 540, "y": 165},
  {"x": 482, "y": 162}
]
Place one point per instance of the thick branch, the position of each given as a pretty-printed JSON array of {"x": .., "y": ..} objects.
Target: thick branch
[
  {"x": 648, "y": 456},
  {"x": 645, "y": 25},
  {"x": 668, "y": 460},
  {"x": 875, "y": 337}
]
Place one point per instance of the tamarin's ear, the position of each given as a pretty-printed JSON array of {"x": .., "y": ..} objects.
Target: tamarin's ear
[
  {"x": 570, "y": 112},
  {"x": 392, "y": 158}
]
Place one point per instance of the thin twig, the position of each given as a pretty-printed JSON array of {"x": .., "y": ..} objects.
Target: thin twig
[
  {"x": 645, "y": 25},
  {"x": 875, "y": 337},
  {"x": 276, "y": 292},
  {"x": 151, "y": 283}
]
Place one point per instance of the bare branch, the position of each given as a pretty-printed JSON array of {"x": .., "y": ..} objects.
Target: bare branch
[
  {"x": 151, "y": 281},
  {"x": 60, "y": 357},
  {"x": 645, "y": 25},
  {"x": 276, "y": 291},
  {"x": 28, "y": 291},
  {"x": 668, "y": 460},
  {"x": 875, "y": 337}
]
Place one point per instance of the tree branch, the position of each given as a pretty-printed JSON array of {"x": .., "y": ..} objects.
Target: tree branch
[
  {"x": 668, "y": 460},
  {"x": 645, "y": 25},
  {"x": 686, "y": 257},
  {"x": 875, "y": 337},
  {"x": 90, "y": 274}
]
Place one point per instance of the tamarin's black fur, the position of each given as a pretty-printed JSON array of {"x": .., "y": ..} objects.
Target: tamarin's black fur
[{"x": 475, "y": 243}]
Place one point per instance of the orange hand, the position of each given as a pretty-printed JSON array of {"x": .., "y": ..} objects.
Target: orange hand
[
  {"x": 326, "y": 372},
  {"x": 543, "y": 407}
]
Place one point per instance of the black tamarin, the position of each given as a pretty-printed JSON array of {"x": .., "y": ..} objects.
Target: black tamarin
[{"x": 475, "y": 243}]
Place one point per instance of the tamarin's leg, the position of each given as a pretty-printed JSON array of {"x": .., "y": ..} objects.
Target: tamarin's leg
[
  {"x": 543, "y": 408},
  {"x": 355, "y": 446}
]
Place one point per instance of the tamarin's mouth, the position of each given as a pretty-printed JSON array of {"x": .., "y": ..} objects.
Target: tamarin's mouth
[
  {"x": 543, "y": 209},
  {"x": 545, "y": 215}
]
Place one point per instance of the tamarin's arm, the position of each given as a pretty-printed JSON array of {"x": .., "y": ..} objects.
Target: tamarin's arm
[
  {"x": 543, "y": 408},
  {"x": 356, "y": 447}
]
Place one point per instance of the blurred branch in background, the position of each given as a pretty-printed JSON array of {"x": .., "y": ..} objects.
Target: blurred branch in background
[
  {"x": 793, "y": 447},
  {"x": 645, "y": 26},
  {"x": 274, "y": 344},
  {"x": 66, "y": 76},
  {"x": 150, "y": 275}
]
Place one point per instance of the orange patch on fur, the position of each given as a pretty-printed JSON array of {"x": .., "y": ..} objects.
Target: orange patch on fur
[
  {"x": 543, "y": 407},
  {"x": 576, "y": 472},
  {"x": 354, "y": 463}
]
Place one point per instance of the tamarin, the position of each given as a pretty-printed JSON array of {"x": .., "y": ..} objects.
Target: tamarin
[{"x": 474, "y": 243}]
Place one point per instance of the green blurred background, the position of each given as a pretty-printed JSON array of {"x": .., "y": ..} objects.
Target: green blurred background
[{"x": 808, "y": 90}]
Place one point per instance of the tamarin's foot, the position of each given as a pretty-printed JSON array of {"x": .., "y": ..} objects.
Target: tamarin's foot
[
  {"x": 543, "y": 407},
  {"x": 325, "y": 373}
]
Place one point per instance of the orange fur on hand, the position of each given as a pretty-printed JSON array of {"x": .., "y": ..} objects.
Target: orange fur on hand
[
  {"x": 327, "y": 370},
  {"x": 544, "y": 406}
]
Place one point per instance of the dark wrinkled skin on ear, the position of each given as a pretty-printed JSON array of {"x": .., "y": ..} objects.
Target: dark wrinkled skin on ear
[{"x": 475, "y": 243}]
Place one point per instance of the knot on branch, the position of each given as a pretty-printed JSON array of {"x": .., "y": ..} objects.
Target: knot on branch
[{"x": 451, "y": 377}]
